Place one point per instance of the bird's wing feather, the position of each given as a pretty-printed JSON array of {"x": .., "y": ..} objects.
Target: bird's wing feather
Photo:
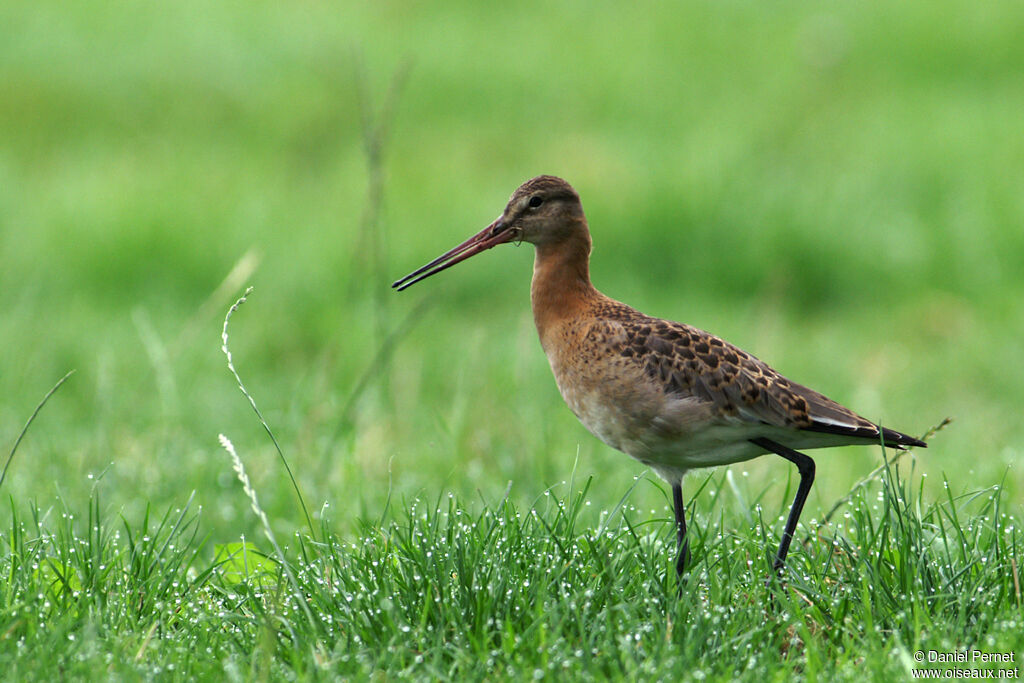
[{"x": 690, "y": 362}]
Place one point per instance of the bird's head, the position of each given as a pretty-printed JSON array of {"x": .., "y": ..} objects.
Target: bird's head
[{"x": 543, "y": 211}]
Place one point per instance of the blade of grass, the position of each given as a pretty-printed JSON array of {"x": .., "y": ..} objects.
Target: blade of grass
[{"x": 31, "y": 419}]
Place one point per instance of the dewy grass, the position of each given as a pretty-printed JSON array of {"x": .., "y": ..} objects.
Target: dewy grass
[
  {"x": 83, "y": 597},
  {"x": 446, "y": 591},
  {"x": 491, "y": 590}
]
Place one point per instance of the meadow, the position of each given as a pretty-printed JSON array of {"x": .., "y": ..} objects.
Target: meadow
[{"x": 838, "y": 190}]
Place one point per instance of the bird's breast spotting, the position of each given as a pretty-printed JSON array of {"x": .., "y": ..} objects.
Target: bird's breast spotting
[
  {"x": 609, "y": 393},
  {"x": 601, "y": 391}
]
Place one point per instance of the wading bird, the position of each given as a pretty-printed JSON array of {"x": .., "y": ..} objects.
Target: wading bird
[{"x": 670, "y": 395}]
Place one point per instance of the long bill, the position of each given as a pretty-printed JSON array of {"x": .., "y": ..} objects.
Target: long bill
[{"x": 491, "y": 236}]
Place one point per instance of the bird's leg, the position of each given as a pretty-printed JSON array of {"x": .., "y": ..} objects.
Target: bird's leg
[
  {"x": 806, "y": 467},
  {"x": 682, "y": 544}
]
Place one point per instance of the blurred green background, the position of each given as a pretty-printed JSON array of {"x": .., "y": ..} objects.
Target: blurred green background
[{"x": 836, "y": 188}]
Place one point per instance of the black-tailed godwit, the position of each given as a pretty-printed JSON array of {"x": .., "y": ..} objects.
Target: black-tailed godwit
[{"x": 672, "y": 396}]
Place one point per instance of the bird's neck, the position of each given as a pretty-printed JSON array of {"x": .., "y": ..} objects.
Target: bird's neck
[{"x": 561, "y": 287}]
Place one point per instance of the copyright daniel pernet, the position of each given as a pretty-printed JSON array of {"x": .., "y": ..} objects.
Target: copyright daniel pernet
[{"x": 964, "y": 657}]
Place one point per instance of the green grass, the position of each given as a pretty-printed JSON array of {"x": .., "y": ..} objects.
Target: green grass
[
  {"x": 448, "y": 589},
  {"x": 835, "y": 189}
]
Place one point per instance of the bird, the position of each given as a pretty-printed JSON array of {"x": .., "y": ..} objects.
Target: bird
[{"x": 670, "y": 395}]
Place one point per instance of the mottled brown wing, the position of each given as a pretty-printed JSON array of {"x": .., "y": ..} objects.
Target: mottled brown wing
[{"x": 690, "y": 362}]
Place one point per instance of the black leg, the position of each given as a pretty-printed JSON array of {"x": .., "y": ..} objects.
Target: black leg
[
  {"x": 806, "y": 467},
  {"x": 682, "y": 544}
]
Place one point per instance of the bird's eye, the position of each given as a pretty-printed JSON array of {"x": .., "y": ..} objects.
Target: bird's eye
[{"x": 536, "y": 201}]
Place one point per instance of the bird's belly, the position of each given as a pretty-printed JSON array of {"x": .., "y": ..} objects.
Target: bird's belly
[
  {"x": 656, "y": 444},
  {"x": 666, "y": 432},
  {"x": 605, "y": 421}
]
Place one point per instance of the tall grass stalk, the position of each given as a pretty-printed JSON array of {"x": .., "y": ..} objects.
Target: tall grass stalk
[{"x": 259, "y": 415}]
